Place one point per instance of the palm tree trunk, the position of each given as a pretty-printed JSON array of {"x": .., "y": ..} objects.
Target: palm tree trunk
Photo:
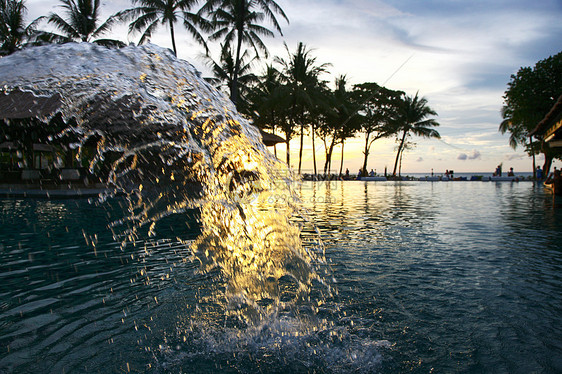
[
  {"x": 301, "y": 147},
  {"x": 534, "y": 162},
  {"x": 288, "y": 152},
  {"x": 326, "y": 158},
  {"x": 341, "y": 162},
  {"x": 329, "y": 159},
  {"x": 400, "y": 164},
  {"x": 399, "y": 151},
  {"x": 234, "y": 87},
  {"x": 173, "y": 38},
  {"x": 366, "y": 153},
  {"x": 313, "y": 151},
  {"x": 328, "y": 163}
]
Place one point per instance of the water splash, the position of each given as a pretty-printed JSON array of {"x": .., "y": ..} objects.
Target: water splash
[{"x": 172, "y": 143}]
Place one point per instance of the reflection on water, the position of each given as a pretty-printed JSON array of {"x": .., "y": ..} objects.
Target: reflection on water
[
  {"x": 459, "y": 277},
  {"x": 443, "y": 277},
  {"x": 208, "y": 262}
]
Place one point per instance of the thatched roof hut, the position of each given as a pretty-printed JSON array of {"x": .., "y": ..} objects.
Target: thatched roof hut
[
  {"x": 270, "y": 139},
  {"x": 18, "y": 104},
  {"x": 550, "y": 128}
]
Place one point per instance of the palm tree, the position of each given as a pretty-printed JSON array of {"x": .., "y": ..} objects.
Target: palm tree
[
  {"x": 412, "y": 115},
  {"x": 269, "y": 102},
  {"x": 237, "y": 22},
  {"x": 301, "y": 77},
  {"x": 340, "y": 122},
  {"x": 223, "y": 72},
  {"x": 13, "y": 32},
  {"x": 149, "y": 14},
  {"x": 320, "y": 105},
  {"x": 82, "y": 23}
]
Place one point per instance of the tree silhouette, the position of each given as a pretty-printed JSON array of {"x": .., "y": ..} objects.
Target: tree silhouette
[
  {"x": 300, "y": 75},
  {"x": 238, "y": 22},
  {"x": 411, "y": 118},
  {"x": 81, "y": 23},
  {"x": 149, "y": 14}
]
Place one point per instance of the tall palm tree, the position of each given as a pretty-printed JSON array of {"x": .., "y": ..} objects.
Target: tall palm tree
[
  {"x": 301, "y": 77},
  {"x": 269, "y": 100},
  {"x": 343, "y": 119},
  {"x": 13, "y": 32},
  {"x": 412, "y": 115},
  {"x": 149, "y": 14},
  {"x": 223, "y": 72},
  {"x": 237, "y": 22},
  {"x": 82, "y": 23}
]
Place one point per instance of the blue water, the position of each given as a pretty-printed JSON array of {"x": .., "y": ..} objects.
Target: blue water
[{"x": 430, "y": 277}]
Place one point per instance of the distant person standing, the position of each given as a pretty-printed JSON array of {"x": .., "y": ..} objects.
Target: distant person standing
[
  {"x": 539, "y": 173},
  {"x": 510, "y": 173}
]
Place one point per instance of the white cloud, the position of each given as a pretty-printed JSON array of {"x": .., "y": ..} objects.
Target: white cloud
[
  {"x": 515, "y": 156},
  {"x": 475, "y": 155}
]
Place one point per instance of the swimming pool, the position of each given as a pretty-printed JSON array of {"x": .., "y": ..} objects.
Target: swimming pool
[{"x": 442, "y": 277}]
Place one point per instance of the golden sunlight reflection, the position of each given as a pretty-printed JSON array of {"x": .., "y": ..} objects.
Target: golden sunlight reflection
[{"x": 249, "y": 233}]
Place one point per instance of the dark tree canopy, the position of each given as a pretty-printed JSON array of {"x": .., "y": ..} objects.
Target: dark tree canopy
[{"x": 529, "y": 96}]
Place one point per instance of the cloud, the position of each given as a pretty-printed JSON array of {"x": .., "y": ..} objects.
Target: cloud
[
  {"x": 475, "y": 155},
  {"x": 516, "y": 156}
]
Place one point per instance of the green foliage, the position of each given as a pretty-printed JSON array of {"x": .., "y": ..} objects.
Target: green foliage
[
  {"x": 529, "y": 96},
  {"x": 81, "y": 22},
  {"x": 300, "y": 74},
  {"x": 149, "y": 14},
  {"x": 238, "y": 24},
  {"x": 379, "y": 108},
  {"x": 412, "y": 120},
  {"x": 14, "y": 35}
]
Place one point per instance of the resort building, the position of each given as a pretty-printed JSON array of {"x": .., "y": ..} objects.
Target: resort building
[
  {"x": 33, "y": 152},
  {"x": 550, "y": 128}
]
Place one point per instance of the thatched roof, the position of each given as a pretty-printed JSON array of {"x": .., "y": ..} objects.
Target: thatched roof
[
  {"x": 548, "y": 124},
  {"x": 270, "y": 139},
  {"x": 20, "y": 104},
  {"x": 10, "y": 146}
]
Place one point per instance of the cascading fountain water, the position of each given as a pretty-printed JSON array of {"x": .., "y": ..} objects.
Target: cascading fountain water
[
  {"x": 157, "y": 133},
  {"x": 174, "y": 143}
]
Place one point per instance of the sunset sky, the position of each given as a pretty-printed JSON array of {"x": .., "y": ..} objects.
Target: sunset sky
[{"x": 458, "y": 54}]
